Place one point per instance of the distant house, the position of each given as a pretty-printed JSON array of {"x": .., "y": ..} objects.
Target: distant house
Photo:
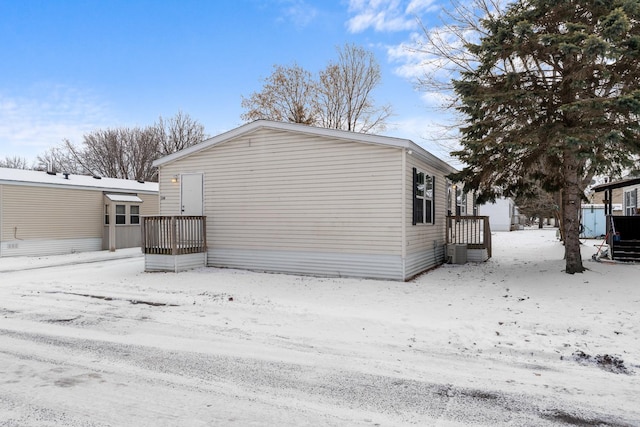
[
  {"x": 503, "y": 214},
  {"x": 622, "y": 231},
  {"x": 52, "y": 213},
  {"x": 285, "y": 197},
  {"x": 624, "y": 192}
]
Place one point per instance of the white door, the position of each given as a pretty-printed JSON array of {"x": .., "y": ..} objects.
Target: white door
[{"x": 191, "y": 194}]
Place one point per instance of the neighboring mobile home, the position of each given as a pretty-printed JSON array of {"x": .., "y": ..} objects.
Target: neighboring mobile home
[
  {"x": 622, "y": 231},
  {"x": 47, "y": 213},
  {"x": 285, "y": 197},
  {"x": 503, "y": 214}
]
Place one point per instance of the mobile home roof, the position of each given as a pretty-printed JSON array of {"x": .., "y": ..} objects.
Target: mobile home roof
[{"x": 44, "y": 179}]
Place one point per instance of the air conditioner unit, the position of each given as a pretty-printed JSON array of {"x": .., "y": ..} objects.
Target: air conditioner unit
[{"x": 457, "y": 254}]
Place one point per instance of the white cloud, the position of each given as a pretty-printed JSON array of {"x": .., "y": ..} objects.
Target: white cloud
[
  {"x": 386, "y": 16},
  {"x": 435, "y": 132},
  {"x": 420, "y": 6},
  {"x": 299, "y": 12},
  {"x": 42, "y": 116}
]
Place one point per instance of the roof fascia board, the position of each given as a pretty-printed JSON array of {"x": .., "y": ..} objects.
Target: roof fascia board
[
  {"x": 310, "y": 130},
  {"x": 616, "y": 184},
  {"x": 73, "y": 187}
]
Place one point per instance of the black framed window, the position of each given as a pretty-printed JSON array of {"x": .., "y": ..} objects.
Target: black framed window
[{"x": 423, "y": 198}]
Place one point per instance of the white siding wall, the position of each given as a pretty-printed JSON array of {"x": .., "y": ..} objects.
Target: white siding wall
[
  {"x": 499, "y": 213},
  {"x": 174, "y": 263},
  {"x": 279, "y": 201},
  {"x": 1, "y": 221},
  {"x": 425, "y": 242}
]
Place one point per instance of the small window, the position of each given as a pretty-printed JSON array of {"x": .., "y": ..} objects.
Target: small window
[
  {"x": 121, "y": 215},
  {"x": 461, "y": 202},
  {"x": 134, "y": 214},
  {"x": 423, "y": 204},
  {"x": 106, "y": 214},
  {"x": 449, "y": 196},
  {"x": 630, "y": 202}
]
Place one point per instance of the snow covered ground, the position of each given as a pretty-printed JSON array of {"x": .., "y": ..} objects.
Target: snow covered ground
[{"x": 92, "y": 340}]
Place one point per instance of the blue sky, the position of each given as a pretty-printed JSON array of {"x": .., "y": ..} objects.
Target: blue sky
[{"x": 71, "y": 66}]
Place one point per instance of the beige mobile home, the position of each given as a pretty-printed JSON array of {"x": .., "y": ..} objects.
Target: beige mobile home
[
  {"x": 53, "y": 213},
  {"x": 285, "y": 197}
]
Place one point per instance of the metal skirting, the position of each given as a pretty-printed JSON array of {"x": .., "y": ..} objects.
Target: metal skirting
[
  {"x": 477, "y": 255},
  {"x": 175, "y": 263},
  {"x": 46, "y": 247},
  {"x": 332, "y": 264},
  {"x": 419, "y": 262}
]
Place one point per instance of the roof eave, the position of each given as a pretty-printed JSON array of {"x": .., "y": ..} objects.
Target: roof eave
[
  {"x": 616, "y": 184},
  {"x": 311, "y": 130}
]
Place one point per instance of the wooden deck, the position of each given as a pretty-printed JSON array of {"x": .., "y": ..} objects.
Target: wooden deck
[
  {"x": 473, "y": 231},
  {"x": 174, "y": 235}
]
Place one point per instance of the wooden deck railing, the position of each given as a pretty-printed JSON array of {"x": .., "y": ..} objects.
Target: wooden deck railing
[
  {"x": 174, "y": 235},
  {"x": 474, "y": 231}
]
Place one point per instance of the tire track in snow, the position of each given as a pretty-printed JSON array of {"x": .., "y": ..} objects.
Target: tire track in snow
[{"x": 311, "y": 390}]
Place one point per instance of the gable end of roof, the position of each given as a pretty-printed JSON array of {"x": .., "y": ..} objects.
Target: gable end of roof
[{"x": 310, "y": 130}]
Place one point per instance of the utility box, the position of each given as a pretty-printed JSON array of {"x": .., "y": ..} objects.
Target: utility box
[{"x": 457, "y": 254}]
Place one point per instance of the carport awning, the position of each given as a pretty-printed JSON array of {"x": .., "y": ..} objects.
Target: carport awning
[
  {"x": 123, "y": 198},
  {"x": 616, "y": 184}
]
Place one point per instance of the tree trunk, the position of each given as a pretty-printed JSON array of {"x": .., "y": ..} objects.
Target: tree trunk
[{"x": 571, "y": 199}]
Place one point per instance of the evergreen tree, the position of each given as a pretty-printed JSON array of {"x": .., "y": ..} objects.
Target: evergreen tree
[{"x": 554, "y": 99}]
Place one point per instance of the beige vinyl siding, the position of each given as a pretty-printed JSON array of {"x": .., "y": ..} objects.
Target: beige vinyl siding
[
  {"x": 278, "y": 190},
  {"x": 169, "y": 199},
  {"x": 149, "y": 204},
  {"x": 50, "y": 213},
  {"x": 424, "y": 241},
  {"x": 128, "y": 235}
]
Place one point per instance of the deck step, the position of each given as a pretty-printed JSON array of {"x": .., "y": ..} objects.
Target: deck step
[{"x": 626, "y": 250}]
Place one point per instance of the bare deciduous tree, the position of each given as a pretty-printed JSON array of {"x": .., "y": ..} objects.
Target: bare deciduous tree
[
  {"x": 59, "y": 159},
  {"x": 15, "y": 162},
  {"x": 126, "y": 153},
  {"x": 345, "y": 95},
  {"x": 289, "y": 94},
  {"x": 341, "y": 98},
  {"x": 178, "y": 133}
]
